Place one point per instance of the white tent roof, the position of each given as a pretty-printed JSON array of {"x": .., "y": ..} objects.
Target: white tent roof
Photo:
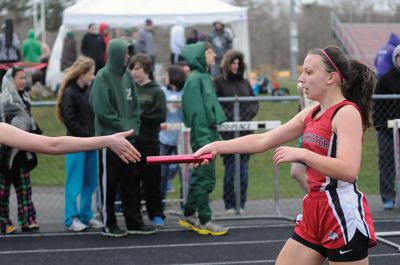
[
  {"x": 128, "y": 13},
  {"x": 121, "y": 13}
]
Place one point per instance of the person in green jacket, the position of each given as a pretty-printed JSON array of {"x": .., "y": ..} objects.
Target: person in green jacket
[
  {"x": 202, "y": 113},
  {"x": 153, "y": 111},
  {"x": 116, "y": 107},
  {"x": 31, "y": 48}
]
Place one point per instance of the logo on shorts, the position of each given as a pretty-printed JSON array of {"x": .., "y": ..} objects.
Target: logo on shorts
[
  {"x": 333, "y": 236},
  {"x": 341, "y": 252}
]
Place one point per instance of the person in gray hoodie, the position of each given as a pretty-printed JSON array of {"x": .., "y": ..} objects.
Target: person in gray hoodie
[
  {"x": 16, "y": 164},
  {"x": 384, "y": 110},
  {"x": 145, "y": 43}
]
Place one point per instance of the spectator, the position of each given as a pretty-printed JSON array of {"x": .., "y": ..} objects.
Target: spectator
[
  {"x": 73, "y": 110},
  {"x": 185, "y": 67},
  {"x": 145, "y": 43},
  {"x": 221, "y": 39},
  {"x": 31, "y": 48},
  {"x": 174, "y": 81},
  {"x": 16, "y": 164},
  {"x": 10, "y": 50},
  {"x": 384, "y": 110},
  {"x": 193, "y": 37},
  {"x": 93, "y": 46},
  {"x": 69, "y": 53},
  {"x": 232, "y": 84},
  {"x": 44, "y": 58},
  {"x": 104, "y": 31},
  {"x": 177, "y": 40},
  {"x": 116, "y": 108},
  {"x": 153, "y": 112},
  {"x": 383, "y": 59},
  {"x": 202, "y": 113}
]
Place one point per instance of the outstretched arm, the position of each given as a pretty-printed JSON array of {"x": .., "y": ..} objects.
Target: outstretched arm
[
  {"x": 20, "y": 139},
  {"x": 257, "y": 143}
]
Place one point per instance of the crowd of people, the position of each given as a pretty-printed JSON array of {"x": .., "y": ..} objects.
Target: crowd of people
[{"x": 111, "y": 89}]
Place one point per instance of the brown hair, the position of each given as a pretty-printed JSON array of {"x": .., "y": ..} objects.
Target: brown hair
[
  {"x": 176, "y": 76},
  {"x": 359, "y": 80},
  {"x": 81, "y": 66},
  {"x": 145, "y": 63},
  {"x": 229, "y": 57}
]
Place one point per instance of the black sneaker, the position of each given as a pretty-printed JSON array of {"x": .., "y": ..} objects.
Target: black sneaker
[
  {"x": 114, "y": 231},
  {"x": 144, "y": 230}
]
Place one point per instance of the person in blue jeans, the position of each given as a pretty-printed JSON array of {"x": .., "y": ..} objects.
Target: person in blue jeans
[
  {"x": 74, "y": 111},
  {"x": 174, "y": 81},
  {"x": 230, "y": 84}
]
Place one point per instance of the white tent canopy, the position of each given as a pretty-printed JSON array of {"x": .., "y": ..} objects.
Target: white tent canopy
[{"x": 129, "y": 13}]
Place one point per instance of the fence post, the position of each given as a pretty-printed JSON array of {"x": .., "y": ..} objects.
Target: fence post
[{"x": 237, "y": 184}]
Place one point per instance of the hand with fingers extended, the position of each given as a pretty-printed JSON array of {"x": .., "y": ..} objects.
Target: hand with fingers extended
[
  {"x": 123, "y": 148},
  {"x": 288, "y": 154}
]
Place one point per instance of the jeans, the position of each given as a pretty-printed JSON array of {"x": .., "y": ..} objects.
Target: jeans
[
  {"x": 229, "y": 190},
  {"x": 386, "y": 165}
]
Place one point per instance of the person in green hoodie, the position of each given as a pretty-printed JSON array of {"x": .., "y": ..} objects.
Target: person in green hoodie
[
  {"x": 31, "y": 48},
  {"x": 116, "y": 107},
  {"x": 153, "y": 111},
  {"x": 202, "y": 113}
]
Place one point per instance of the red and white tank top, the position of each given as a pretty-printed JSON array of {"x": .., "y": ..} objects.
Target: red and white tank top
[{"x": 319, "y": 137}]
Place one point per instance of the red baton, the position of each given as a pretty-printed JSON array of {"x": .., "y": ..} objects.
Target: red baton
[{"x": 177, "y": 159}]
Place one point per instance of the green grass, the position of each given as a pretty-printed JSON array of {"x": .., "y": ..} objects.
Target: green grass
[{"x": 51, "y": 172}]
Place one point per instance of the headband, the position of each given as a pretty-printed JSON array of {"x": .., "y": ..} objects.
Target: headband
[{"x": 333, "y": 64}]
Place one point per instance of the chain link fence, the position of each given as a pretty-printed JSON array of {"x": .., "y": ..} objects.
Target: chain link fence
[{"x": 271, "y": 192}]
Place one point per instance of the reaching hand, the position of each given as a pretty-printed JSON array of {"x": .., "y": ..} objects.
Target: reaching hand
[
  {"x": 287, "y": 154},
  {"x": 207, "y": 149},
  {"x": 123, "y": 148}
]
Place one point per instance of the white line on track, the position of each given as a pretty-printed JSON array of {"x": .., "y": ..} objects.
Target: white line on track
[
  {"x": 35, "y": 251},
  {"x": 229, "y": 262},
  {"x": 68, "y": 233}
]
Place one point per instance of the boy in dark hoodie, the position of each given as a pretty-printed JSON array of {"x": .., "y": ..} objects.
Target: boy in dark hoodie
[
  {"x": 153, "y": 111},
  {"x": 202, "y": 113},
  {"x": 116, "y": 108}
]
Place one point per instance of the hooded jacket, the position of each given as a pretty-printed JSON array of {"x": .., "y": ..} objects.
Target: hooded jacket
[
  {"x": 31, "y": 48},
  {"x": 383, "y": 59},
  {"x": 201, "y": 109},
  {"x": 15, "y": 110},
  {"x": 220, "y": 40},
  {"x": 103, "y": 30},
  {"x": 389, "y": 83},
  {"x": 231, "y": 85},
  {"x": 113, "y": 96},
  {"x": 153, "y": 111}
]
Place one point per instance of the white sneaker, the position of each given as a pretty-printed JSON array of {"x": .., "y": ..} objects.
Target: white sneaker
[
  {"x": 231, "y": 212},
  {"x": 94, "y": 223},
  {"x": 77, "y": 226}
]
